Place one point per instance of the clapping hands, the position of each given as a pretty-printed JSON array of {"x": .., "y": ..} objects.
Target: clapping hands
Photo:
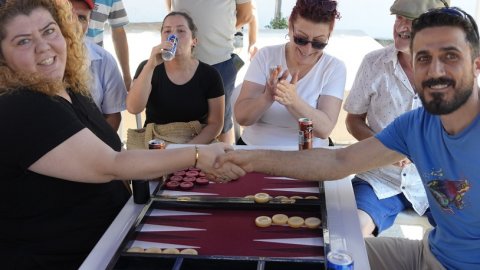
[{"x": 282, "y": 91}]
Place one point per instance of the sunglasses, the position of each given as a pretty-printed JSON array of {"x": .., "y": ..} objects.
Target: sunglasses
[
  {"x": 456, "y": 12},
  {"x": 318, "y": 45},
  {"x": 315, "y": 44}
]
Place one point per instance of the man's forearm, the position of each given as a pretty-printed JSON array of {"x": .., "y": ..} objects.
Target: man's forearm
[
  {"x": 168, "y": 3},
  {"x": 120, "y": 43},
  {"x": 318, "y": 164},
  {"x": 253, "y": 26},
  {"x": 244, "y": 14},
  {"x": 306, "y": 164}
]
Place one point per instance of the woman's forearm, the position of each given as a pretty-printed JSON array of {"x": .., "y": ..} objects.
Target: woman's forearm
[
  {"x": 140, "y": 90},
  {"x": 208, "y": 134}
]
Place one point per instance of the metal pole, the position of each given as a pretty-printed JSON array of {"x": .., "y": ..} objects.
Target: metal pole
[
  {"x": 278, "y": 9},
  {"x": 477, "y": 11},
  {"x": 138, "y": 118}
]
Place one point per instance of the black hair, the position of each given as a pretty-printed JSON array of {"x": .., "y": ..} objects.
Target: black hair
[{"x": 449, "y": 16}]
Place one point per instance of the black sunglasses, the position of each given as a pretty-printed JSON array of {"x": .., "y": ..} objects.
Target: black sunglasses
[
  {"x": 303, "y": 41},
  {"x": 315, "y": 44},
  {"x": 453, "y": 11},
  {"x": 456, "y": 12}
]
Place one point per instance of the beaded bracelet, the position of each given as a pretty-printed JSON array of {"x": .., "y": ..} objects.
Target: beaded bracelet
[{"x": 197, "y": 154}]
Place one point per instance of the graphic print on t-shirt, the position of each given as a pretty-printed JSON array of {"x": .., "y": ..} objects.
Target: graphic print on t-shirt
[{"x": 449, "y": 192}]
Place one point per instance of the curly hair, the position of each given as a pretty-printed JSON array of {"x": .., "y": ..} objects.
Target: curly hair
[
  {"x": 76, "y": 76},
  {"x": 317, "y": 11}
]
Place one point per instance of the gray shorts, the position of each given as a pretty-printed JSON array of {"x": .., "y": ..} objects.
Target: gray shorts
[{"x": 401, "y": 254}]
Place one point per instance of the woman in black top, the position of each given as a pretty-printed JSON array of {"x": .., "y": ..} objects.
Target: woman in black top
[
  {"x": 58, "y": 155},
  {"x": 181, "y": 90}
]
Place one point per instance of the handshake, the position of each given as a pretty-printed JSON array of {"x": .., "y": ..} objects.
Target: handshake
[{"x": 221, "y": 163}]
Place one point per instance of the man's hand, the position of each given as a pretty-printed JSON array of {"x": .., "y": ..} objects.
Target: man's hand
[
  {"x": 252, "y": 50},
  {"x": 241, "y": 158},
  {"x": 207, "y": 157},
  {"x": 402, "y": 163},
  {"x": 127, "y": 80}
]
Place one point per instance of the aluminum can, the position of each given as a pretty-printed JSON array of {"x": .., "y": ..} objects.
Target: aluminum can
[
  {"x": 168, "y": 55},
  {"x": 305, "y": 133},
  {"x": 339, "y": 260},
  {"x": 156, "y": 144}
]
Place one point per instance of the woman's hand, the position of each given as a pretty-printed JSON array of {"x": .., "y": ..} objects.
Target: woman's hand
[
  {"x": 286, "y": 92},
  {"x": 207, "y": 156},
  {"x": 274, "y": 78},
  {"x": 242, "y": 159},
  {"x": 156, "y": 54}
]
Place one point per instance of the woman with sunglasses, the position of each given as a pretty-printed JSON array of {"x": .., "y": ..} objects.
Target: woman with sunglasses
[
  {"x": 294, "y": 80},
  {"x": 59, "y": 157}
]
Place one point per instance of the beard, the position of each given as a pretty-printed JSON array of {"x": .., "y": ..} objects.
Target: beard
[{"x": 438, "y": 104}]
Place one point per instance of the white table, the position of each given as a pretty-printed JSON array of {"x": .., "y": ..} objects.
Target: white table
[{"x": 343, "y": 223}]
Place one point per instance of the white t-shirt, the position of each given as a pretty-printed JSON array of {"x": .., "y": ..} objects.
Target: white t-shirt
[
  {"x": 215, "y": 20},
  {"x": 382, "y": 90},
  {"x": 277, "y": 126}
]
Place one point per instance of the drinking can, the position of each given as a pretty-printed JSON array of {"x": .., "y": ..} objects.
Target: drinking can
[
  {"x": 339, "y": 260},
  {"x": 156, "y": 144},
  {"x": 168, "y": 55},
  {"x": 305, "y": 134}
]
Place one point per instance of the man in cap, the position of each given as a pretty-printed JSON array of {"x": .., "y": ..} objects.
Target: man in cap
[
  {"x": 108, "y": 89},
  {"x": 383, "y": 90},
  {"x": 441, "y": 137}
]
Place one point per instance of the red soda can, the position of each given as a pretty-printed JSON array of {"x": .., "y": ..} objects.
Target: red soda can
[
  {"x": 305, "y": 133},
  {"x": 156, "y": 144}
]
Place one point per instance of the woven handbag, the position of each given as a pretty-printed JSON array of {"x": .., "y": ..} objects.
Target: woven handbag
[{"x": 177, "y": 132}]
